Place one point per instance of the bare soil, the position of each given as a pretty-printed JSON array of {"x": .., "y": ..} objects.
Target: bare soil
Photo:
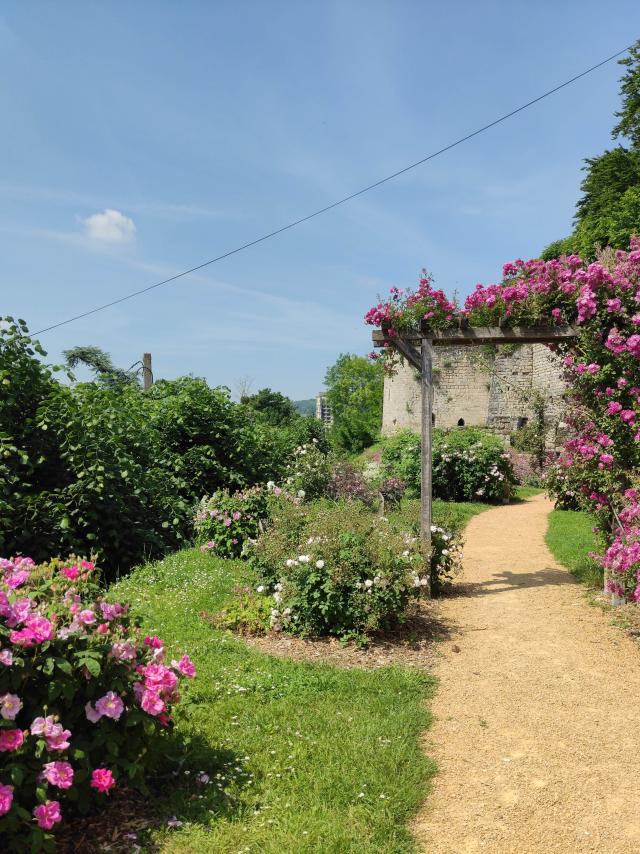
[{"x": 535, "y": 729}]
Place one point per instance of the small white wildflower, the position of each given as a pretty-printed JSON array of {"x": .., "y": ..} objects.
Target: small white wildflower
[
  {"x": 260, "y": 588},
  {"x": 304, "y": 558},
  {"x": 301, "y": 492},
  {"x": 368, "y": 583},
  {"x": 320, "y": 564}
]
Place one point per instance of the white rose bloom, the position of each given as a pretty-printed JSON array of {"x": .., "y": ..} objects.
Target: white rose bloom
[
  {"x": 260, "y": 588},
  {"x": 301, "y": 493},
  {"x": 304, "y": 558},
  {"x": 368, "y": 583},
  {"x": 270, "y": 485},
  {"x": 320, "y": 564}
]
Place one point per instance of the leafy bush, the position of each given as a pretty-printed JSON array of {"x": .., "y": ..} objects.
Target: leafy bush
[
  {"x": 392, "y": 489},
  {"x": 224, "y": 522},
  {"x": 468, "y": 464},
  {"x": 335, "y": 569},
  {"x": 86, "y": 702},
  {"x": 108, "y": 468}
]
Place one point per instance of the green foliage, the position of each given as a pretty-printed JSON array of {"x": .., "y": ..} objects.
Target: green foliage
[
  {"x": 274, "y": 407},
  {"x": 354, "y": 393},
  {"x": 306, "y": 408},
  {"x": 103, "y": 467},
  {"x": 468, "y": 464},
  {"x": 336, "y": 569},
  {"x": 608, "y": 213},
  {"x": 224, "y": 522}
]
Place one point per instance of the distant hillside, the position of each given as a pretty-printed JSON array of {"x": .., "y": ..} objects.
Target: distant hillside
[{"x": 305, "y": 407}]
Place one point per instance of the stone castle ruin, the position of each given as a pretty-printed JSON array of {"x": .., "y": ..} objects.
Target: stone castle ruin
[{"x": 492, "y": 387}]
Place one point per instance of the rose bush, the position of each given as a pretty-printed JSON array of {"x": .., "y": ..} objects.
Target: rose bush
[
  {"x": 85, "y": 700},
  {"x": 224, "y": 522},
  {"x": 468, "y": 464},
  {"x": 333, "y": 568}
]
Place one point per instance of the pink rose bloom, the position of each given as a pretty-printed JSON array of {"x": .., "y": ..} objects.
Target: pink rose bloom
[
  {"x": 593, "y": 368},
  {"x": 10, "y": 705},
  {"x": 58, "y": 739},
  {"x": 43, "y": 726},
  {"x": 151, "y": 702},
  {"x": 10, "y": 740},
  {"x": 159, "y": 678},
  {"x": 185, "y": 666},
  {"x": 103, "y": 628},
  {"x": 6, "y": 799},
  {"x": 6, "y": 657},
  {"x": 111, "y": 706},
  {"x": 557, "y": 313},
  {"x": 24, "y": 637},
  {"x": 109, "y": 611},
  {"x": 92, "y": 715},
  {"x": 614, "y": 407},
  {"x": 628, "y": 416},
  {"x": 606, "y": 459},
  {"x": 153, "y": 641},
  {"x": 17, "y": 579},
  {"x": 87, "y": 616},
  {"x": 237, "y": 515},
  {"x": 47, "y": 814},
  {"x": 86, "y": 564},
  {"x": 59, "y": 774},
  {"x": 71, "y": 572},
  {"x": 102, "y": 780},
  {"x": 123, "y": 651},
  {"x": 40, "y": 627}
]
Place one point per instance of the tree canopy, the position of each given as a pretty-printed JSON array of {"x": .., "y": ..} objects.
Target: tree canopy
[
  {"x": 354, "y": 393},
  {"x": 608, "y": 212}
]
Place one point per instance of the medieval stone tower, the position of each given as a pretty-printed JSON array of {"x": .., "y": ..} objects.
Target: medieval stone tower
[{"x": 484, "y": 387}]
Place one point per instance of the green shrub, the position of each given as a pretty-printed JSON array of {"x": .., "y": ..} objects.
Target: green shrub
[
  {"x": 113, "y": 470},
  {"x": 468, "y": 464},
  {"x": 335, "y": 569}
]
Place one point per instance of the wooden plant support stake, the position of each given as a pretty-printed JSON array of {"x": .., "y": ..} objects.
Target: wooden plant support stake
[{"x": 427, "y": 421}]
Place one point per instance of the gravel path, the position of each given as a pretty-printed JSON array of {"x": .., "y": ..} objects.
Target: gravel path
[{"x": 535, "y": 732}]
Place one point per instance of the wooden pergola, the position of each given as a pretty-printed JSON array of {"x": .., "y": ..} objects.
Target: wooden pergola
[{"x": 417, "y": 349}]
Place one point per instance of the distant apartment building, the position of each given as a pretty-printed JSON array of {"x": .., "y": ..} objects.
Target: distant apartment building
[{"x": 323, "y": 410}]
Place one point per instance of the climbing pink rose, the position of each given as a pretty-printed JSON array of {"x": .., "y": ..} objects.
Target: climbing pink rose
[
  {"x": 111, "y": 706},
  {"x": 6, "y": 799},
  {"x": 59, "y": 774},
  {"x": 185, "y": 666},
  {"x": 10, "y": 740},
  {"x": 48, "y": 814},
  {"x": 102, "y": 780}
]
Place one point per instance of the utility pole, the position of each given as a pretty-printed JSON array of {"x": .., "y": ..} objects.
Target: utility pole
[{"x": 147, "y": 373}]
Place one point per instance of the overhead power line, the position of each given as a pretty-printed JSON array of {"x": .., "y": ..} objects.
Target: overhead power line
[{"x": 339, "y": 202}]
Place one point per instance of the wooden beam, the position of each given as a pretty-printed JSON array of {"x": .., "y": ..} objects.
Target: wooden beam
[
  {"x": 406, "y": 349},
  {"x": 483, "y": 335},
  {"x": 427, "y": 421},
  {"x": 503, "y": 335}
]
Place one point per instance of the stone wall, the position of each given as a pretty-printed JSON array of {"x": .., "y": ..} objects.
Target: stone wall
[{"x": 478, "y": 387}]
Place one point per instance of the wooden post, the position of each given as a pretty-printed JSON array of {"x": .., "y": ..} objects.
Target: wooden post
[
  {"x": 427, "y": 412},
  {"x": 147, "y": 373}
]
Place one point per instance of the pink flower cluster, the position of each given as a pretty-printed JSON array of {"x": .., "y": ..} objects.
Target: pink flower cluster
[
  {"x": 405, "y": 309},
  {"x": 47, "y": 617}
]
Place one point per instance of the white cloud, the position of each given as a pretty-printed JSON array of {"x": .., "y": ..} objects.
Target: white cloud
[{"x": 110, "y": 227}]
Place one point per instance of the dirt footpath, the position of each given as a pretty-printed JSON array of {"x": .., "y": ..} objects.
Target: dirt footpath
[{"x": 536, "y": 732}]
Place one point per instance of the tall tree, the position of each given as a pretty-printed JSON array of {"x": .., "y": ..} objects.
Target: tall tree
[
  {"x": 608, "y": 212},
  {"x": 354, "y": 393},
  {"x": 275, "y": 408}
]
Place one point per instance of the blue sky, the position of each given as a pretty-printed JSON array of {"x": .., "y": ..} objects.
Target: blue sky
[{"x": 198, "y": 126}]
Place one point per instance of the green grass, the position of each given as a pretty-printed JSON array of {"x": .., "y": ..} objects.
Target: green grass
[
  {"x": 570, "y": 539},
  {"x": 524, "y": 492},
  {"x": 303, "y": 757}
]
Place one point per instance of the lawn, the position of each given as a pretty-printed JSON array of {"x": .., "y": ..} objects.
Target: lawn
[
  {"x": 301, "y": 757},
  {"x": 570, "y": 539}
]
